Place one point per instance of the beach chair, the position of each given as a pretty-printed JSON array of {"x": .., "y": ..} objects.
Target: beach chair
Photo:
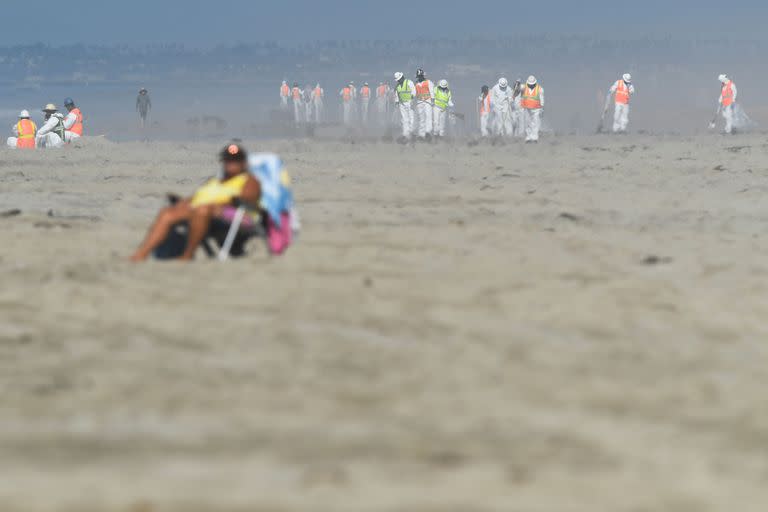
[{"x": 278, "y": 221}]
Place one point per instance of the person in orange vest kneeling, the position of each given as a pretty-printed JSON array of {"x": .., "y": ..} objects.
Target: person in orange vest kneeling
[
  {"x": 533, "y": 106},
  {"x": 24, "y": 132},
  {"x": 73, "y": 122}
]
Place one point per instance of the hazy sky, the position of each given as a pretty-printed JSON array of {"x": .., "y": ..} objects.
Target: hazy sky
[{"x": 203, "y": 23}]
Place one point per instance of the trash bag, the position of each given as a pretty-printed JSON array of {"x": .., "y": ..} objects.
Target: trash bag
[{"x": 741, "y": 120}]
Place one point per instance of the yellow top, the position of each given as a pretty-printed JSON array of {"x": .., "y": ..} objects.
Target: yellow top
[{"x": 217, "y": 191}]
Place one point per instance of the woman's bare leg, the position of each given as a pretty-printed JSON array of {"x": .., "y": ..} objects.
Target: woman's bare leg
[
  {"x": 166, "y": 219},
  {"x": 199, "y": 223}
]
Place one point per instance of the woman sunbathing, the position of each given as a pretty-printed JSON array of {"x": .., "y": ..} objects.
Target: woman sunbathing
[{"x": 217, "y": 199}]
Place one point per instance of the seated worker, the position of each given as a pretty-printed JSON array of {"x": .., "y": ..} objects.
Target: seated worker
[
  {"x": 73, "y": 122},
  {"x": 217, "y": 199},
  {"x": 24, "y": 133},
  {"x": 51, "y": 134}
]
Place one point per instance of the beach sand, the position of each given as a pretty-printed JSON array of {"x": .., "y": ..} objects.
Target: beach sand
[{"x": 578, "y": 325}]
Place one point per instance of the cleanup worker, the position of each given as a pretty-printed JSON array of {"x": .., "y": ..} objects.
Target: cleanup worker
[
  {"x": 728, "y": 94},
  {"x": 484, "y": 110},
  {"x": 622, "y": 91},
  {"x": 285, "y": 93},
  {"x": 382, "y": 91},
  {"x": 73, "y": 122},
  {"x": 405, "y": 91},
  {"x": 425, "y": 99},
  {"x": 298, "y": 104},
  {"x": 518, "y": 123},
  {"x": 443, "y": 101},
  {"x": 52, "y": 133},
  {"x": 533, "y": 107},
  {"x": 317, "y": 102},
  {"x": 502, "y": 99},
  {"x": 23, "y": 132},
  {"x": 143, "y": 106},
  {"x": 347, "y": 99},
  {"x": 365, "y": 102},
  {"x": 308, "y": 103}
]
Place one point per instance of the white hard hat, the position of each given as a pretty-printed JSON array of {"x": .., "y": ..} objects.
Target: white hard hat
[
  {"x": 532, "y": 80},
  {"x": 443, "y": 84},
  {"x": 723, "y": 78},
  {"x": 627, "y": 77},
  {"x": 503, "y": 82},
  {"x": 50, "y": 108},
  {"x": 24, "y": 114},
  {"x": 399, "y": 76}
]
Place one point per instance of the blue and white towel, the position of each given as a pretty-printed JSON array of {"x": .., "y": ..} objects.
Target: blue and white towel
[{"x": 276, "y": 193}]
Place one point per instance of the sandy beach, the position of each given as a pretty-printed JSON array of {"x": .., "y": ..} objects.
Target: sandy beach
[{"x": 574, "y": 326}]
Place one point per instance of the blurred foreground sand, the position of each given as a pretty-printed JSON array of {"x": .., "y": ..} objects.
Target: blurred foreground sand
[{"x": 574, "y": 326}]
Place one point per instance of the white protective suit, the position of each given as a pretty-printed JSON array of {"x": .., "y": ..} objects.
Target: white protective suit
[
  {"x": 11, "y": 141},
  {"x": 382, "y": 98},
  {"x": 425, "y": 111},
  {"x": 502, "y": 105},
  {"x": 728, "y": 114},
  {"x": 621, "y": 110},
  {"x": 69, "y": 122},
  {"x": 317, "y": 103},
  {"x": 365, "y": 104},
  {"x": 46, "y": 135},
  {"x": 518, "y": 122},
  {"x": 441, "y": 117},
  {"x": 407, "y": 115},
  {"x": 532, "y": 119},
  {"x": 284, "y": 96},
  {"x": 485, "y": 115},
  {"x": 348, "y": 105},
  {"x": 298, "y": 106},
  {"x": 308, "y": 107}
]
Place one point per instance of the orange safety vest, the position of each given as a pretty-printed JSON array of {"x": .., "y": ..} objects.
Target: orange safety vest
[
  {"x": 296, "y": 93},
  {"x": 365, "y": 92},
  {"x": 727, "y": 94},
  {"x": 422, "y": 91},
  {"x": 318, "y": 92},
  {"x": 27, "y": 131},
  {"x": 381, "y": 91},
  {"x": 78, "y": 126},
  {"x": 347, "y": 94},
  {"x": 485, "y": 104},
  {"x": 622, "y": 93},
  {"x": 285, "y": 91},
  {"x": 531, "y": 98}
]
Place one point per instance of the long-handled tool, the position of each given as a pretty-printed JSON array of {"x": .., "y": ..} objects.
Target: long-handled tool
[
  {"x": 713, "y": 123},
  {"x": 601, "y": 125}
]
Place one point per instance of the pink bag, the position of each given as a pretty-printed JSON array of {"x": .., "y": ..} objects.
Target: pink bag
[{"x": 279, "y": 238}]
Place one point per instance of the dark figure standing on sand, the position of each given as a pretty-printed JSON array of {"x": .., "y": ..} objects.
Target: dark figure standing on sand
[{"x": 143, "y": 106}]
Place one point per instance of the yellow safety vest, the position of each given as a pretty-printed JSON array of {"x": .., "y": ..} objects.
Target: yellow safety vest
[{"x": 404, "y": 91}]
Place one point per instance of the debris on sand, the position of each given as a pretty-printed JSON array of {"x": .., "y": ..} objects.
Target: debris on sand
[
  {"x": 652, "y": 260},
  {"x": 10, "y": 213},
  {"x": 569, "y": 216}
]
